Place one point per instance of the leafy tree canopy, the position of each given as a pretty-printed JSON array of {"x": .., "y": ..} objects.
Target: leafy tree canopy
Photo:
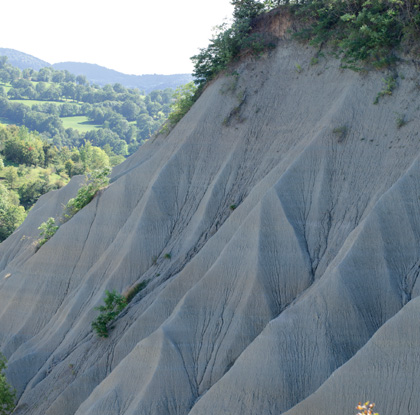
[
  {"x": 11, "y": 214},
  {"x": 362, "y": 30},
  {"x": 230, "y": 39}
]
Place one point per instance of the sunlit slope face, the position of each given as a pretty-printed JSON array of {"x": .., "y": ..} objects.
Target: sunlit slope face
[{"x": 277, "y": 225}]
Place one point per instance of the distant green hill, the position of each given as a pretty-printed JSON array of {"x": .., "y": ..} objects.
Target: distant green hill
[
  {"x": 23, "y": 60},
  {"x": 97, "y": 74},
  {"x": 100, "y": 75}
]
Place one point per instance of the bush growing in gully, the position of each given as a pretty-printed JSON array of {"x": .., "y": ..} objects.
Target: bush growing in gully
[
  {"x": 95, "y": 181},
  {"x": 114, "y": 304}
]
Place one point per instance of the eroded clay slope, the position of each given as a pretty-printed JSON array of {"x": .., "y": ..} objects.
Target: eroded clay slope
[{"x": 279, "y": 227}]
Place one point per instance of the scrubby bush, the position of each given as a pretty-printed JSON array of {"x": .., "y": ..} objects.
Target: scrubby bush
[
  {"x": 184, "y": 96},
  {"x": 95, "y": 181},
  {"x": 362, "y": 31},
  {"x": 230, "y": 40},
  {"x": 114, "y": 304},
  {"x": 48, "y": 230}
]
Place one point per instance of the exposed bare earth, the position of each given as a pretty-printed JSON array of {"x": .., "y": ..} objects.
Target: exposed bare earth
[{"x": 290, "y": 206}]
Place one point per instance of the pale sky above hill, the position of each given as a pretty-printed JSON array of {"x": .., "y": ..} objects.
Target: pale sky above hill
[{"x": 130, "y": 36}]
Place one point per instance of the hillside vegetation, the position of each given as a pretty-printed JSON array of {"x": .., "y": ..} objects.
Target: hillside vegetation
[
  {"x": 97, "y": 74},
  {"x": 67, "y": 127},
  {"x": 31, "y": 167},
  {"x": 47, "y": 101},
  {"x": 362, "y": 33},
  {"x": 23, "y": 60},
  {"x": 100, "y": 75}
]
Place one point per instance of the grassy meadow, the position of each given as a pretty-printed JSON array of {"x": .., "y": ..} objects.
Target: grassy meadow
[{"x": 80, "y": 123}]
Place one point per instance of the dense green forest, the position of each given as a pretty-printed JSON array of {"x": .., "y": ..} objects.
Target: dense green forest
[
  {"x": 54, "y": 125},
  {"x": 31, "y": 166},
  {"x": 66, "y": 110}
]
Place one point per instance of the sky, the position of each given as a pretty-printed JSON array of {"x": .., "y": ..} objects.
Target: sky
[{"x": 131, "y": 36}]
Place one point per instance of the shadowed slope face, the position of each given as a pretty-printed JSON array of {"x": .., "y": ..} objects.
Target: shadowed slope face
[{"x": 278, "y": 224}]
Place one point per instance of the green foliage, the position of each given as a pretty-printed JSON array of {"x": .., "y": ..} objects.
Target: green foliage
[
  {"x": 7, "y": 393},
  {"x": 48, "y": 230},
  {"x": 314, "y": 61},
  {"x": 390, "y": 84},
  {"x": 66, "y": 110},
  {"x": 362, "y": 30},
  {"x": 340, "y": 132},
  {"x": 231, "y": 40},
  {"x": 400, "y": 120},
  {"x": 114, "y": 304},
  {"x": 184, "y": 98},
  {"x": 32, "y": 166},
  {"x": 22, "y": 147},
  {"x": 31, "y": 190},
  {"x": 11, "y": 176},
  {"x": 95, "y": 181},
  {"x": 11, "y": 214}
]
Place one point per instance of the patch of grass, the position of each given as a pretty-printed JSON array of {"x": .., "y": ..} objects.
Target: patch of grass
[
  {"x": 30, "y": 102},
  {"x": 6, "y": 86},
  {"x": 340, "y": 132},
  {"x": 80, "y": 123},
  {"x": 400, "y": 120},
  {"x": 390, "y": 84},
  {"x": 135, "y": 289}
]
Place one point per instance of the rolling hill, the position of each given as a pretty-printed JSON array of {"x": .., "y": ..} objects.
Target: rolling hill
[
  {"x": 98, "y": 74},
  {"x": 23, "y": 60}
]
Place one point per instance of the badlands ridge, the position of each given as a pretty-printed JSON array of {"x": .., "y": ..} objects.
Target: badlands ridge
[{"x": 278, "y": 225}]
